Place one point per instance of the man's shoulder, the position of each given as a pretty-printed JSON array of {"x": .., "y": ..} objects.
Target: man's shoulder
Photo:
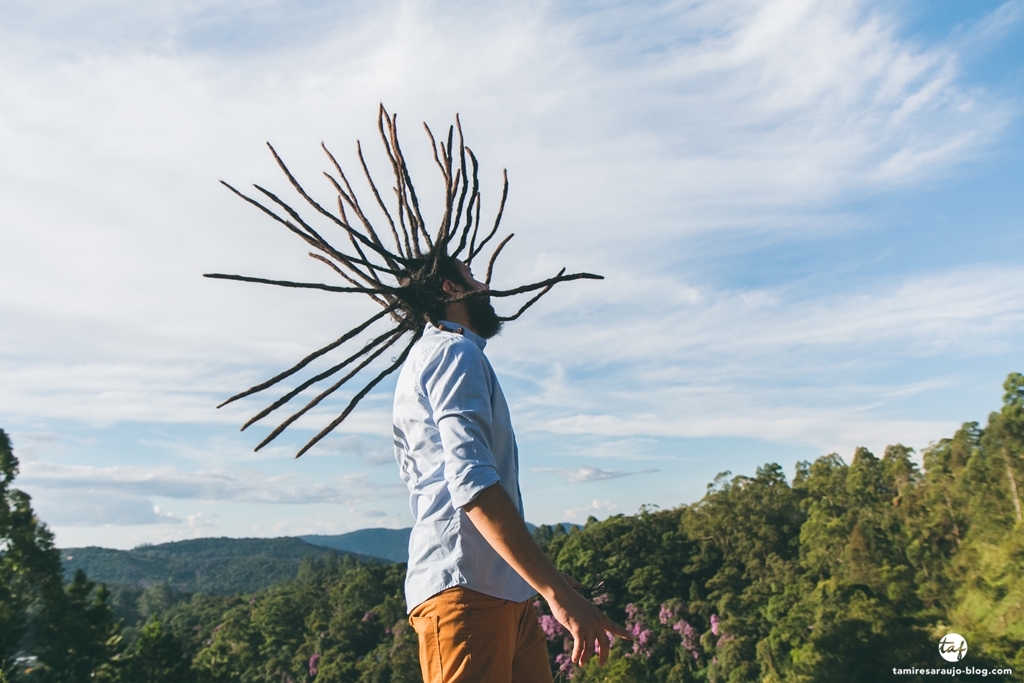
[
  {"x": 444, "y": 346},
  {"x": 443, "y": 358}
]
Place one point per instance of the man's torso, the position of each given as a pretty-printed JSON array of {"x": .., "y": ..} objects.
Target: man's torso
[{"x": 453, "y": 438}]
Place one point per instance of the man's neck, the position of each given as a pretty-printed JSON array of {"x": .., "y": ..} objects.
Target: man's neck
[{"x": 457, "y": 313}]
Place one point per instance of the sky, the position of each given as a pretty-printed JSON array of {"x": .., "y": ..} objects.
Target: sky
[{"x": 808, "y": 215}]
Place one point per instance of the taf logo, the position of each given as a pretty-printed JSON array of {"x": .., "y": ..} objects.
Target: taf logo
[{"x": 953, "y": 647}]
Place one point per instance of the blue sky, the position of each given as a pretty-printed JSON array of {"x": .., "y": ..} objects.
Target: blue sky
[{"x": 808, "y": 215}]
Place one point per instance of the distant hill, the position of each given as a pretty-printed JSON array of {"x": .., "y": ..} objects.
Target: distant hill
[
  {"x": 388, "y": 544},
  {"x": 224, "y": 566},
  {"x": 221, "y": 566}
]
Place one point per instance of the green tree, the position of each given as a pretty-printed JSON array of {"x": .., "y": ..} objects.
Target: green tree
[
  {"x": 339, "y": 621},
  {"x": 158, "y": 657},
  {"x": 986, "y": 576},
  {"x": 156, "y": 599},
  {"x": 30, "y": 569},
  {"x": 79, "y": 641},
  {"x": 71, "y": 631},
  {"x": 748, "y": 531}
]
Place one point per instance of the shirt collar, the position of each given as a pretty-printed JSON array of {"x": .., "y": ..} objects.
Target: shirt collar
[{"x": 449, "y": 326}]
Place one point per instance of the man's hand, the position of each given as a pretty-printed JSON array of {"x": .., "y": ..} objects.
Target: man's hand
[
  {"x": 497, "y": 519},
  {"x": 588, "y": 626}
]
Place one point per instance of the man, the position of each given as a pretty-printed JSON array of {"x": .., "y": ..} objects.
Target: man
[{"x": 473, "y": 564}]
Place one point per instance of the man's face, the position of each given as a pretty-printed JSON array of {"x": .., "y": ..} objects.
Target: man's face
[
  {"x": 467, "y": 276},
  {"x": 482, "y": 317}
]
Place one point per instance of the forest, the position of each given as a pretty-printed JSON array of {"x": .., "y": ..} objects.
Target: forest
[{"x": 843, "y": 573}]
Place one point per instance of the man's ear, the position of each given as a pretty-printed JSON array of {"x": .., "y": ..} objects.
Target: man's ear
[{"x": 450, "y": 288}]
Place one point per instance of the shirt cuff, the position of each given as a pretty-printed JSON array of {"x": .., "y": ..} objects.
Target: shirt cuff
[{"x": 469, "y": 485}]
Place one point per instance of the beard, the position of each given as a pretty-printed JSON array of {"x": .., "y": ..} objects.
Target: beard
[{"x": 482, "y": 317}]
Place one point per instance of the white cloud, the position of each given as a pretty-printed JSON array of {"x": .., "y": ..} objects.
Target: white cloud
[
  {"x": 577, "y": 475},
  {"x": 986, "y": 33},
  {"x": 629, "y": 134},
  {"x": 597, "y": 507},
  {"x": 198, "y": 521},
  {"x": 665, "y": 318},
  {"x": 724, "y": 363},
  {"x": 88, "y": 507},
  {"x": 249, "y": 486}
]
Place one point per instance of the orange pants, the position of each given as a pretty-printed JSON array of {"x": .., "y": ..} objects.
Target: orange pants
[{"x": 469, "y": 637}]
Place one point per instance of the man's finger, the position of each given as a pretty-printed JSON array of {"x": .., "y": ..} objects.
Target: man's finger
[
  {"x": 611, "y": 627},
  {"x": 603, "y": 648},
  {"x": 585, "y": 650},
  {"x": 577, "y": 648}
]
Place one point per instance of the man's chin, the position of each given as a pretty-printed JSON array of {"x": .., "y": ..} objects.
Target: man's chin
[
  {"x": 484, "y": 320},
  {"x": 488, "y": 328}
]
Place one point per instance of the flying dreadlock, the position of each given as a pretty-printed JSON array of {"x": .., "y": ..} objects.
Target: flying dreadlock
[{"x": 405, "y": 278}]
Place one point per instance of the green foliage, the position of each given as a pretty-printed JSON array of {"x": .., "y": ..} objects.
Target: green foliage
[
  {"x": 850, "y": 570},
  {"x": 79, "y": 640},
  {"x": 158, "y": 657},
  {"x": 339, "y": 621},
  {"x": 205, "y": 565},
  {"x": 69, "y": 631},
  {"x": 29, "y": 565}
]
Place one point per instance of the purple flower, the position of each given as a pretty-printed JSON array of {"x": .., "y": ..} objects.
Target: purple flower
[
  {"x": 312, "y": 665},
  {"x": 552, "y": 629},
  {"x": 564, "y": 663},
  {"x": 714, "y": 624},
  {"x": 631, "y": 612},
  {"x": 642, "y": 636},
  {"x": 689, "y": 635},
  {"x": 666, "y": 614}
]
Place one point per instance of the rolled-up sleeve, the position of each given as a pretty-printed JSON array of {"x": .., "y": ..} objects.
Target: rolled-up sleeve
[{"x": 459, "y": 392}]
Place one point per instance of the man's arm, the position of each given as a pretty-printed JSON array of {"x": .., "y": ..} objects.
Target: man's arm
[{"x": 497, "y": 519}]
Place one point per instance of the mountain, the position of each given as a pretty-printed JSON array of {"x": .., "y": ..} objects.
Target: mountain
[
  {"x": 222, "y": 566},
  {"x": 388, "y": 544}
]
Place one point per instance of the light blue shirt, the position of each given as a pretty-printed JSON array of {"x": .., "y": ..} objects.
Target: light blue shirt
[{"x": 453, "y": 439}]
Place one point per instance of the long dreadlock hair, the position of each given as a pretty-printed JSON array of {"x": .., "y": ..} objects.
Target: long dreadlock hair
[{"x": 404, "y": 277}]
